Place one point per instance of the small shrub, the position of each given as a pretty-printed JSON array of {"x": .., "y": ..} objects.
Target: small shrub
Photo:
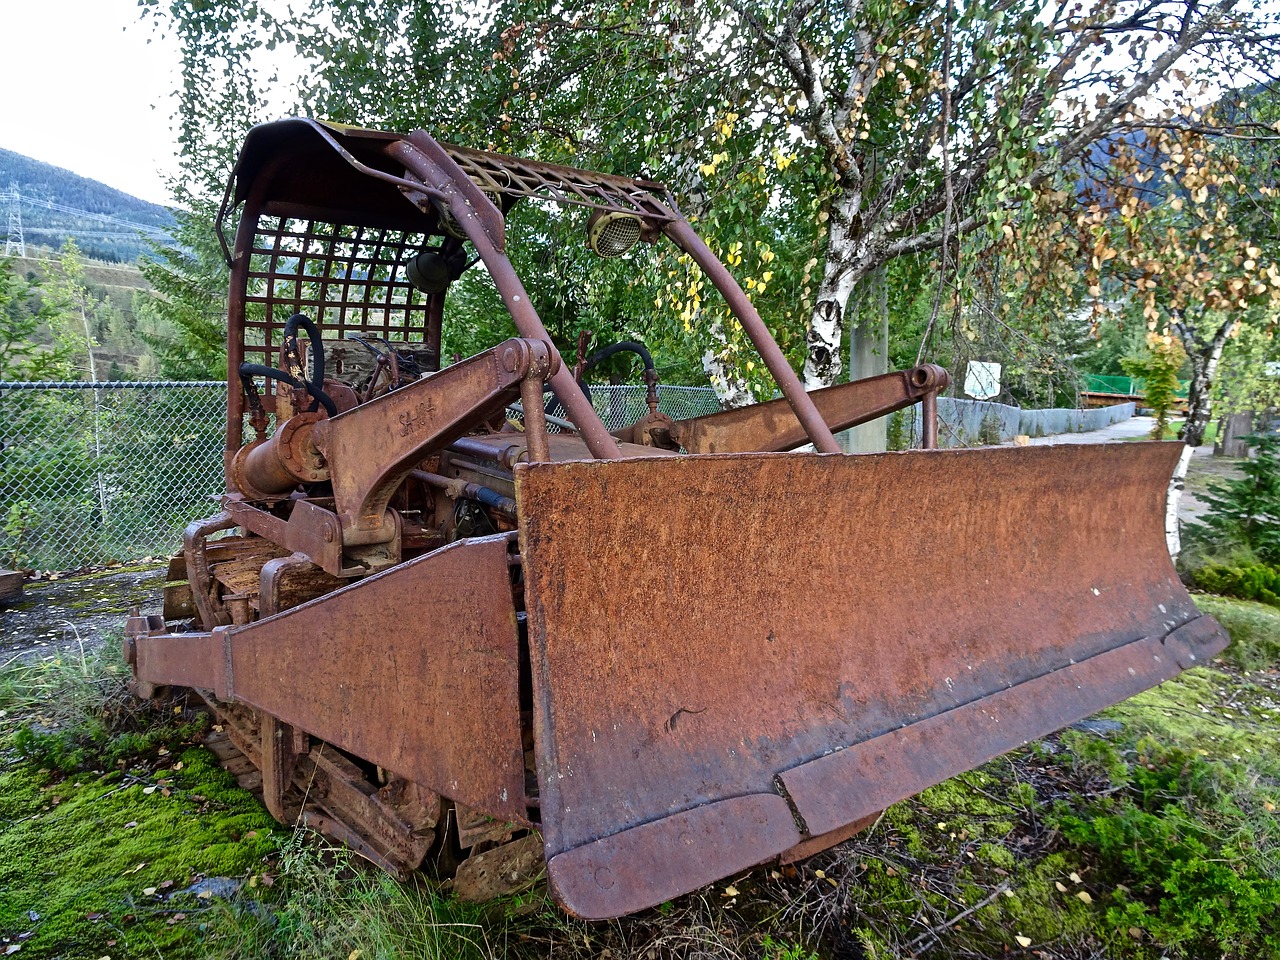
[
  {"x": 897, "y": 432},
  {"x": 1255, "y": 581},
  {"x": 989, "y": 430},
  {"x": 1245, "y": 512}
]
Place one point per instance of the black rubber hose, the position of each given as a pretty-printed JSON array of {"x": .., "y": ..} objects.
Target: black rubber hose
[
  {"x": 317, "y": 348},
  {"x": 271, "y": 373},
  {"x": 604, "y": 353}
]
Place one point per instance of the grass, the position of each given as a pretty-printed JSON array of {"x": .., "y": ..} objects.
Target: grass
[{"x": 1150, "y": 833}]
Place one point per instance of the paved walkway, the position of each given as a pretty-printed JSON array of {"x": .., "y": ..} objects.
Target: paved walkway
[{"x": 1131, "y": 429}]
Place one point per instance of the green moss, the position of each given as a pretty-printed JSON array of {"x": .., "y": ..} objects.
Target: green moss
[
  {"x": 1209, "y": 712},
  {"x": 996, "y": 855},
  {"x": 81, "y": 851}
]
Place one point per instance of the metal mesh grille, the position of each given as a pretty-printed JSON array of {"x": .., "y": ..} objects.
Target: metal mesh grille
[
  {"x": 115, "y": 471},
  {"x": 346, "y": 279}
]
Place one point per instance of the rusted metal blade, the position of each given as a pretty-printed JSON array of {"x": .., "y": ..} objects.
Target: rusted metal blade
[
  {"x": 415, "y": 669},
  {"x": 855, "y": 628}
]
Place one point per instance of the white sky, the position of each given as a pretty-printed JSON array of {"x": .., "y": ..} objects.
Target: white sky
[{"x": 85, "y": 90}]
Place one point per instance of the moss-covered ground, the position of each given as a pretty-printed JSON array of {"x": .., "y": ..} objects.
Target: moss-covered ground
[
  {"x": 114, "y": 827},
  {"x": 1148, "y": 831}
]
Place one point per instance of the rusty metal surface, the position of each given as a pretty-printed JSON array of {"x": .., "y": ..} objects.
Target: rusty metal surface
[
  {"x": 689, "y": 654},
  {"x": 415, "y": 669},
  {"x": 650, "y": 863},
  {"x": 909, "y": 760},
  {"x": 372, "y": 448},
  {"x": 508, "y": 449},
  {"x": 772, "y": 425}
]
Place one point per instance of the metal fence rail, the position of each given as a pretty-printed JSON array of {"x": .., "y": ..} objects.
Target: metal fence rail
[{"x": 95, "y": 472}]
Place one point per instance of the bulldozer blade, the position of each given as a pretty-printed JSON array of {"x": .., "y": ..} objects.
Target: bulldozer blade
[
  {"x": 415, "y": 669},
  {"x": 735, "y": 655}
]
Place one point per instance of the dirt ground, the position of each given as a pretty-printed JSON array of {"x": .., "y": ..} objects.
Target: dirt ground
[{"x": 81, "y": 608}]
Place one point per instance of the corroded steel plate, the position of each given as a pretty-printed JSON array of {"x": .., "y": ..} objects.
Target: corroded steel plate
[
  {"x": 701, "y": 626},
  {"x": 415, "y": 669}
]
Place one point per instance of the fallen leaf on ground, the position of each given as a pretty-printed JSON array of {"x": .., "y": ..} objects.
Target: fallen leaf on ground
[
  {"x": 1023, "y": 941},
  {"x": 1084, "y": 895}
]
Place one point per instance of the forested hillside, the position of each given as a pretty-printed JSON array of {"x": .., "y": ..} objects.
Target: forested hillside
[{"x": 55, "y": 204}]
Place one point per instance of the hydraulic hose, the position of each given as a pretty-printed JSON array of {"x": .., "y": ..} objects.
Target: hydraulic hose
[
  {"x": 317, "y": 348},
  {"x": 248, "y": 370},
  {"x": 604, "y": 353}
]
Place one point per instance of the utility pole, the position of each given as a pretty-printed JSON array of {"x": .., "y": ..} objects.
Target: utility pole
[{"x": 15, "y": 243}]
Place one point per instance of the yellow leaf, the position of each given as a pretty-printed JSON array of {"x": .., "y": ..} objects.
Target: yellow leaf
[
  {"x": 730, "y": 891},
  {"x": 1060, "y": 885},
  {"x": 1075, "y": 877},
  {"x": 1084, "y": 895},
  {"x": 355, "y": 955},
  {"x": 1023, "y": 941}
]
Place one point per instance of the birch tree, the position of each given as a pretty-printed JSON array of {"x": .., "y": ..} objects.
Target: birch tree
[{"x": 923, "y": 122}]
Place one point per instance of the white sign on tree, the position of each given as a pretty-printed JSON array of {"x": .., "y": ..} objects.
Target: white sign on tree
[{"x": 982, "y": 379}]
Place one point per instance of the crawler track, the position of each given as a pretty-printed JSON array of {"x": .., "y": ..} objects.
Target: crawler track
[{"x": 396, "y": 825}]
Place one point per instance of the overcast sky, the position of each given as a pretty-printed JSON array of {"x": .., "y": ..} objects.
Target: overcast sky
[{"x": 85, "y": 90}]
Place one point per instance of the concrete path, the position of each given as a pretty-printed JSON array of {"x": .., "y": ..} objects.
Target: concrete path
[{"x": 1132, "y": 429}]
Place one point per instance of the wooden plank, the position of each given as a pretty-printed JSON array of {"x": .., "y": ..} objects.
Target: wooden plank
[{"x": 10, "y": 585}]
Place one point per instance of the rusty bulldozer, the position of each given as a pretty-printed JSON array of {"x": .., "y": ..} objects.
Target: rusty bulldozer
[{"x": 640, "y": 660}]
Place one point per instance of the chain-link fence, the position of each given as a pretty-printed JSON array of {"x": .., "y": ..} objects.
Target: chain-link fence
[
  {"x": 94, "y": 472},
  {"x": 91, "y": 473}
]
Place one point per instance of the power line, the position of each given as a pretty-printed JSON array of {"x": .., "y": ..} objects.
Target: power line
[
  {"x": 15, "y": 242},
  {"x": 17, "y": 198}
]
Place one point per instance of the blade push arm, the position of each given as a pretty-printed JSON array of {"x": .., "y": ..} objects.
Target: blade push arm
[{"x": 773, "y": 426}]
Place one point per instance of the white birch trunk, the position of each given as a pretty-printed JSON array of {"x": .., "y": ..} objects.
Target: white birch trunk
[
  {"x": 823, "y": 359},
  {"x": 730, "y": 390},
  {"x": 1171, "y": 533}
]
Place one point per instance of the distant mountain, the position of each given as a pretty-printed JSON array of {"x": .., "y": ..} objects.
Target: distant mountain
[{"x": 55, "y": 203}]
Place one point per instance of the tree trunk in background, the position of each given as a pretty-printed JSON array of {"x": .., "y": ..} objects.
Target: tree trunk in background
[
  {"x": 822, "y": 364},
  {"x": 1231, "y": 442},
  {"x": 869, "y": 357},
  {"x": 1171, "y": 534},
  {"x": 1204, "y": 357}
]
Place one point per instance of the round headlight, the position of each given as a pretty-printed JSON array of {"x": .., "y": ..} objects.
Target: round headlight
[{"x": 611, "y": 233}]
